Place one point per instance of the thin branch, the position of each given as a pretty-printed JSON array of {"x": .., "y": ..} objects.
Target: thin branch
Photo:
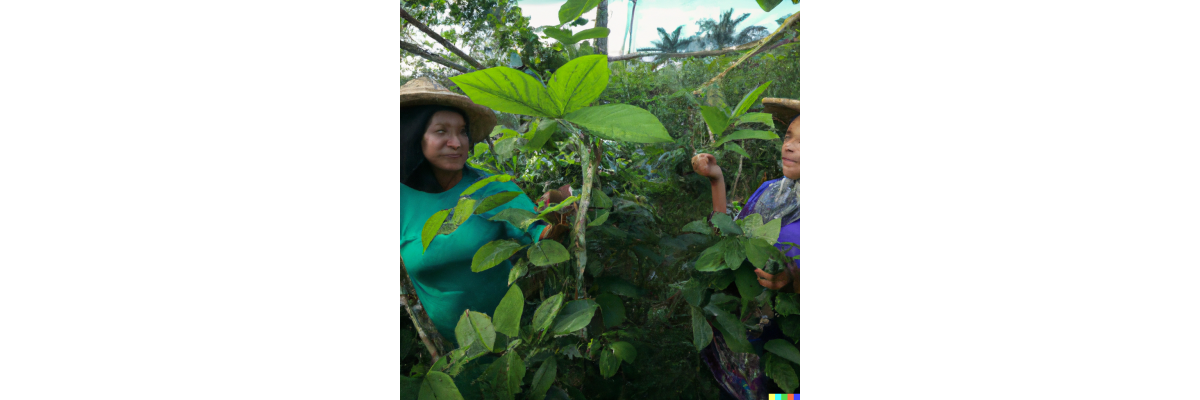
[
  {"x": 412, "y": 48},
  {"x": 445, "y": 43},
  {"x": 434, "y": 342},
  {"x": 705, "y": 53},
  {"x": 782, "y": 27}
]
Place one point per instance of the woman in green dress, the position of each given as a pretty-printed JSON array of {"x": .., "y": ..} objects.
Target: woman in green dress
[{"x": 438, "y": 130}]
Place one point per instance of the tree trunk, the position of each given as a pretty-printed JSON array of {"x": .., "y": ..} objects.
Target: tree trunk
[
  {"x": 632, "y": 17},
  {"x": 602, "y": 22}
]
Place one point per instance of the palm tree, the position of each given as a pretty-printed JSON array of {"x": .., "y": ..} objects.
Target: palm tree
[
  {"x": 670, "y": 43},
  {"x": 721, "y": 33}
]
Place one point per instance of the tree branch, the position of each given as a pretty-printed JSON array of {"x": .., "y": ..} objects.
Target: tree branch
[
  {"x": 445, "y": 43},
  {"x": 434, "y": 342},
  {"x": 414, "y": 49},
  {"x": 705, "y": 53},
  {"x": 786, "y": 23}
]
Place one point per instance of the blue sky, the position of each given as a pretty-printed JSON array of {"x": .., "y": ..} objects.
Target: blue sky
[{"x": 652, "y": 14}]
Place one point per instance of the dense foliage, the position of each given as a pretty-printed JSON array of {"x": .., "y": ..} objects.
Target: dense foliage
[{"x": 620, "y": 308}]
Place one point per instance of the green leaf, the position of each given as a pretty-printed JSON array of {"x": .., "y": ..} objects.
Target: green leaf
[
  {"x": 559, "y": 206},
  {"x": 790, "y": 326},
  {"x": 600, "y": 219},
  {"x": 493, "y": 253},
  {"x": 548, "y": 252},
  {"x": 710, "y": 259},
  {"x": 508, "y": 90},
  {"x": 723, "y": 222},
  {"x": 722, "y": 280},
  {"x": 609, "y": 363},
  {"x": 748, "y": 287},
  {"x": 761, "y": 118},
  {"x": 612, "y": 308},
  {"x": 784, "y": 349},
  {"x": 615, "y": 285},
  {"x": 575, "y": 315},
  {"x": 768, "y": 5},
  {"x": 475, "y": 327},
  {"x": 621, "y": 122},
  {"x": 593, "y": 33},
  {"x": 464, "y": 209},
  {"x": 731, "y": 146},
  {"x": 695, "y": 292},
  {"x": 731, "y": 329},
  {"x": 410, "y": 388},
  {"x": 519, "y": 218},
  {"x": 495, "y": 200},
  {"x": 751, "y": 223},
  {"x": 432, "y": 225},
  {"x": 484, "y": 182},
  {"x": 749, "y": 99},
  {"x": 779, "y": 370},
  {"x": 746, "y": 134},
  {"x": 716, "y": 120},
  {"x": 758, "y": 251},
  {"x": 702, "y": 333},
  {"x": 544, "y": 132},
  {"x": 503, "y": 378},
  {"x": 506, "y": 147},
  {"x": 600, "y": 200},
  {"x": 787, "y": 304},
  {"x": 698, "y": 226},
  {"x": 768, "y": 231},
  {"x": 547, "y": 312},
  {"x": 508, "y": 313},
  {"x": 560, "y": 34},
  {"x": 573, "y": 9},
  {"x": 439, "y": 386},
  {"x": 519, "y": 270},
  {"x": 734, "y": 254},
  {"x": 543, "y": 378},
  {"x": 624, "y": 351}
]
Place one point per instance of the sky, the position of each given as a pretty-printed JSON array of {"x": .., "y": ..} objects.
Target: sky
[{"x": 652, "y": 14}]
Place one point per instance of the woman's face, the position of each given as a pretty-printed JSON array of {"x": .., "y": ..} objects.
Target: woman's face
[
  {"x": 791, "y": 151},
  {"x": 446, "y": 142}
]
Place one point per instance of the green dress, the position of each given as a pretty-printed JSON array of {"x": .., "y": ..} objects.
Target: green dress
[{"x": 442, "y": 274}]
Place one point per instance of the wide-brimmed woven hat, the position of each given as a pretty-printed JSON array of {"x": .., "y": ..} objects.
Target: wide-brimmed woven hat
[
  {"x": 424, "y": 91},
  {"x": 781, "y": 110}
]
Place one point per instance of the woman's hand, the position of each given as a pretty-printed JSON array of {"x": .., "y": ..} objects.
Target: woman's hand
[
  {"x": 555, "y": 196},
  {"x": 776, "y": 281},
  {"x": 706, "y": 165},
  {"x": 555, "y": 231}
]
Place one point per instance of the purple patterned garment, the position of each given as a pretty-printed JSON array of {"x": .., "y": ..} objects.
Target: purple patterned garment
[{"x": 787, "y": 233}]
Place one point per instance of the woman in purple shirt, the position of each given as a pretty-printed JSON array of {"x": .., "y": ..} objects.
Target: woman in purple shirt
[{"x": 739, "y": 375}]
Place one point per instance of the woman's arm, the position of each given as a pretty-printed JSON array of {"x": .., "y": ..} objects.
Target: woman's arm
[{"x": 706, "y": 165}]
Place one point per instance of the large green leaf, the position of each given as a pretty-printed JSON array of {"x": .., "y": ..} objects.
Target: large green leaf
[
  {"x": 548, "y": 252},
  {"x": 508, "y": 313},
  {"x": 609, "y": 363},
  {"x": 538, "y": 138},
  {"x": 701, "y": 331},
  {"x": 731, "y": 146},
  {"x": 502, "y": 379},
  {"x": 624, "y": 351},
  {"x": 505, "y": 148},
  {"x": 695, "y": 292},
  {"x": 748, "y": 287},
  {"x": 493, "y": 253},
  {"x": 715, "y": 118},
  {"x": 410, "y": 388},
  {"x": 783, "y": 349},
  {"x": 746, "y": 134},
  {"x": 600, "y": 200},
  {"x": 519, "y": 218},
  {"x": 732, "y": 330},
  {"x": 751, "y": 223},
  {"x": 495, "y": 200},
  {"x": 475, "y": 327},
  {"x": 768, "y": 231},
  {"x": 784, "y": 375},
  {"x": 768, "y": 5},
  {"x": 484, "y": 182},
  {"x": 612, "y": 308},
  {"x": 621, "y": 122},
  {"x": 593, "y": 33},
  {"x": 762, "y": 118},
  {"x": 790, "y": 325},
  {"x": 560, "y": 34},
  {"x": 432, "y": 226},
  {"x": 519, "y": 270},
  {"x": 711, "y": 258},
  {"x": 698, "y": 226},
  {"x": 749, "y": 99},
  {"x": 599, "y": 219},
  {"x": 439, "y": 386},
  {"x": 543, "y": 378},
  {"x": 734, "y": 254},
  {"x": 508, "y": 90},
  {"x": 566, "y": 202},
  {"x": 575, "y": 315},
  {"x": 547, "y": 312},
  {"x": 787, "y": 304},
  {"x": 723, "y": 222},
  {"x": 758, "y": 251},
  {"x": 463, "y": 210},
  {"x": 573, "y": 9}
]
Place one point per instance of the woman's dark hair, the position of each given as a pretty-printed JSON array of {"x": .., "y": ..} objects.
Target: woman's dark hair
[{"x": 414, "y": 171}]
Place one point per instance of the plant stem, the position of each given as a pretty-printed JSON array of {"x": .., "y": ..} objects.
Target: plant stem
[
  {"x": 434, "y": 342},
  {"x": 589, "y": 162}
]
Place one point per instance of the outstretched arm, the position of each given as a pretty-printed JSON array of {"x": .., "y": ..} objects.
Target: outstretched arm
[{"x": 706, "y": 165}]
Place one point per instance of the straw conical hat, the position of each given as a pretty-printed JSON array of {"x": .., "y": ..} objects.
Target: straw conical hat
[
  {"x": 782, "y": 110},
  {"x": 424, "y": 91}
]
